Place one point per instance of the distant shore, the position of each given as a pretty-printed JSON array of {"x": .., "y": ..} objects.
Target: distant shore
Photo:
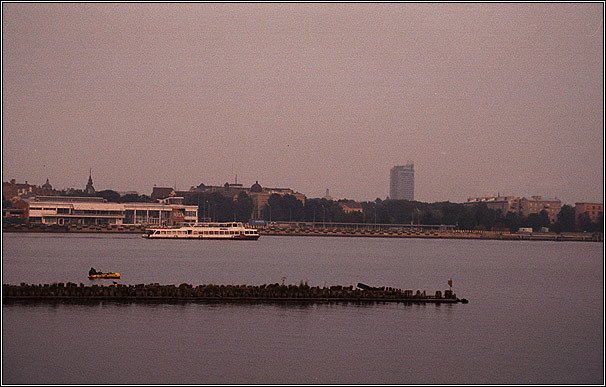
[{"x": 336, "y": 232}]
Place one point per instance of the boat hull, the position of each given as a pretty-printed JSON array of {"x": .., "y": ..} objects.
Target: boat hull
[
  {"x": 218, "y": 231},
  {"x": 198, "y": 237},
  {"x": 104, "y": 276}
]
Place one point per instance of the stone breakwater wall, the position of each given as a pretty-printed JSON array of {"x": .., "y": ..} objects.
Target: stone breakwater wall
[
  {"x": 433, "y": 234},
  {"x": 218, "y": 293},
  {"x": 331, "y": 232}
]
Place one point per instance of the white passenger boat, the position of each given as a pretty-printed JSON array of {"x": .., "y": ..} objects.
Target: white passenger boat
[{"x": 228, "y": 230}]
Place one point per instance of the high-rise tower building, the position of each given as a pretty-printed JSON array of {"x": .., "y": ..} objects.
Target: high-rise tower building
[{"x": 402, "y": 182}]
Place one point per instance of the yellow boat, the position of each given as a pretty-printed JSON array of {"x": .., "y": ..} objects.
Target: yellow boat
[{"x": 104, "y": 275}]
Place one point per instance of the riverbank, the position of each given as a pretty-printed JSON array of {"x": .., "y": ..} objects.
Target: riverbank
[
  {"x": 383, "y": 232},
  {"x": 59, "y": 292}
]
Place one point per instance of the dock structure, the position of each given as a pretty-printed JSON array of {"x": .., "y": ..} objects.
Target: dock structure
[{"x": 59, "y": 292}]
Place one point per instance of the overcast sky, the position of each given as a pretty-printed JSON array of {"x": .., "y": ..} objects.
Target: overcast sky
[{"x": 484, "y": 99}]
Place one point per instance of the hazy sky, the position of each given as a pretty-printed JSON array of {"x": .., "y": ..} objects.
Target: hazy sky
[{"x": 484, "y": 99}]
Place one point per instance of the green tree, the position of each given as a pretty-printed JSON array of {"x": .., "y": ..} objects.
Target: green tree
[
  {"x": 566, "y": 220},
  {"x": 109, "y": 195},
  {"x": 243, "y": 207},
  {"x": 485, "y": 217},
  {"x": 323, "y": 210},
  {"x": 293, "y": 208},
  {"x": 6, "y": 203},
  {"x": 585, "y": 223},
  {"x": 274, "y": 209},
  {"x": 400, "y": 211},
  {"x": 467, "y": 219},
  {"x": 536, "y": 221},
  {"x": 130, "y": 198},
  {"x": 450, "y": 212},
  {"x": 312, "y": 211},
  {"x": 599, "y": 224},
  {"x": 513, "y": 221},
  {"x": 213, "y": 206}
]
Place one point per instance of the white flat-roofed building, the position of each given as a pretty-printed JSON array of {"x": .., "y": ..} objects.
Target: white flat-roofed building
[
  {"x": 85, "y": 211},
  {"x": 74, "y": 211},
  {"x": 159, "y": 214}
]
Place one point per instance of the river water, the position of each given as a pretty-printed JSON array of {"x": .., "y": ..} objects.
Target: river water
[{"x": 535, "y": 313}]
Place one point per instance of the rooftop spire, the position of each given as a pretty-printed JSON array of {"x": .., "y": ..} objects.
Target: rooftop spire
[{"x": 89, "y": 186}]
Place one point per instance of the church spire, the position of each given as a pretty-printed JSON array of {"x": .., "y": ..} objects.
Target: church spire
[{"x": 89, "y": 186}]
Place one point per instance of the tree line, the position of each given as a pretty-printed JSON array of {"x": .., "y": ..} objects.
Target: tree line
[{"x": 287, "y": 208}]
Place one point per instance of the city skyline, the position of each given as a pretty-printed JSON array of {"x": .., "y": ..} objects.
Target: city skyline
[
  {"x": 150, "y": 192},
  {"x": 485, "y": 98}
]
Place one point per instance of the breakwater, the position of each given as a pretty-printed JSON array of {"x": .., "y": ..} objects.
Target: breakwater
[
  {"x": 431, "y": 234},
  {"x": 352, "y": 231},
  {"x": 59, "y": 292}
]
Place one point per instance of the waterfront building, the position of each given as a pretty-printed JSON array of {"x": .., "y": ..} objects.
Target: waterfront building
[
  {"x": 11, "y": 189},
  {"x": 63, "y": 210},
  {"x": 502, "y": 204},
  {"x": 593, "y": 210},
  {"x": 520, "y": 205},
  {"x": 536, "y": 204},
  {"x": 402, "y": 182},
  {"x": 161, "y": 192},
  {"x": 165, "y": 213},
  {"x": 349, "y": 206}
]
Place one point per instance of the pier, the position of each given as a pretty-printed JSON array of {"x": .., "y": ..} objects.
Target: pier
[{"x": 66, "y": 292}]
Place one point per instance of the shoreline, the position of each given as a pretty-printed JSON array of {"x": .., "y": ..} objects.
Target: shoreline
[{"x": 336, "y": 232}]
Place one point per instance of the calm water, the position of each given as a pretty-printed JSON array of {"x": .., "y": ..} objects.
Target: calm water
[{"x": 535, "y": 313}]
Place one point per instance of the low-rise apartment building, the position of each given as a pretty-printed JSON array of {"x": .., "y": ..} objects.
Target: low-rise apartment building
[
  {"x": 536, "y": 204},
  {"x": 503, "y": 204},
  {"x": 522, "y": 206},
  {"x": 593, "y": 210}
]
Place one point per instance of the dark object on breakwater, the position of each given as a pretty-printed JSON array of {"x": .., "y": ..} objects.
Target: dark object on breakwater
[
  {"x": 218, "y": 293},
  {"x": 366, "y": 287},
  {"x": 94, "y": 274}
]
